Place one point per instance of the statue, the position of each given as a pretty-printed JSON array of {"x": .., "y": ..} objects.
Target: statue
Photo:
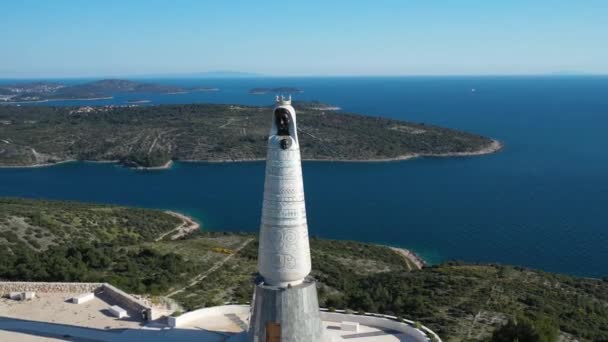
[{"x": 282, "y": 121}]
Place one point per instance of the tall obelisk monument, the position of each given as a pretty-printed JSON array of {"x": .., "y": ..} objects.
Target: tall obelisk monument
[{"x": 285, "y": 306}]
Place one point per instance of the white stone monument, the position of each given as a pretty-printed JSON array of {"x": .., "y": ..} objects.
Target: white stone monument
[{"x": 285, "y": 306}]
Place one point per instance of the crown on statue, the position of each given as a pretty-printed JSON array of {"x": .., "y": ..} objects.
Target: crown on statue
[{"x": 281, "y": 100}]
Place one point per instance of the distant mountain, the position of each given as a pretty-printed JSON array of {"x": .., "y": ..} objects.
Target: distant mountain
[
  {"x": 42, "y": 91},
  {"x": 122, "y": 86},
  {"x": 203, "y": 75},
  {"x": 224, "y": 74}
]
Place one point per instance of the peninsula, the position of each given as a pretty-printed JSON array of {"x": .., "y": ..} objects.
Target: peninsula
[
  {"x": 102, "y": 89},
  {"x": 149, "y": 253},
  {"x": 152, "y": 136}
]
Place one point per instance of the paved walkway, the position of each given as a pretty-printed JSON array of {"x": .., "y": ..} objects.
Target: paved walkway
[{"x": 16, "y": 330}]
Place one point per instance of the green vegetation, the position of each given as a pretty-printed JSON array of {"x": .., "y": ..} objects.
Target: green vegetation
[
  {"x": 137, "y": 271},
  {"x": 68, "y": 241},
  {"x": 522, "y": 329},
  {"x": 40, "y": 91},
  {"x": 39, "y": 224},
  {"x": 467, "y": 302},
  {"x": 461, "y": 302},
  {"x": 153, "y": 135}
]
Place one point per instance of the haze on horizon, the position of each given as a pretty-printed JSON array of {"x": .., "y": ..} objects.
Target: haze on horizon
[{"x": 113, "y": 38}]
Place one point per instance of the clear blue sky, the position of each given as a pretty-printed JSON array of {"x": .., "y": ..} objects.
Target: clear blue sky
[{"x": 61, "y": 38}]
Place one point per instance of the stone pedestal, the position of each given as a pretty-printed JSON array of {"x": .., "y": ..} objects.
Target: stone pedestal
[{"x": 288, "y": 314}]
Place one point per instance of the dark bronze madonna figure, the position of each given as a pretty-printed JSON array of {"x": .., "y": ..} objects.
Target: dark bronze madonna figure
[{"x": 282, "y": 119}]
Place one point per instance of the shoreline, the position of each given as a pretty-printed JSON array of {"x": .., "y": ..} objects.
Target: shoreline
[
  {"x": 494, "y": 147},
  {"x": 165, "y": 166},
  {"x": 52, "y": 100},
  {"x": 410, "y": 256},
  {"x": 187, "y": 226},
  {"x": 38, "y": 165}
]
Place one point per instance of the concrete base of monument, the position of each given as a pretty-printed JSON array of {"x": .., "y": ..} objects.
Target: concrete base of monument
[
  {"x": 52, "y": 316},
  {"x": 286, "y": 314}
]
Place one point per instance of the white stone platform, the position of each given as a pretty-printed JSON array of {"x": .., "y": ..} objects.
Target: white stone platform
[{"x": 53, "y": 317}]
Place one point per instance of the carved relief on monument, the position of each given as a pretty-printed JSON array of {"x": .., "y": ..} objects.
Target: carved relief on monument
[
  {"x": 283, "y": 171},
  {"x": 285, "y": 238},
  {"x": 292, "y": 155},
  {"x": 283, "y": 186},
  {"x": 284, "y": 213},
  {"x": 286, "y": 198},
  {"x": 280, "y": 205},
  {"x": 285, "y": 261},
  {"x": 283, "y": 163}
]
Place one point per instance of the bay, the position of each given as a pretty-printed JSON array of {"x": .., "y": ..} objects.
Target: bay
[{"x": 542, "y": 202}]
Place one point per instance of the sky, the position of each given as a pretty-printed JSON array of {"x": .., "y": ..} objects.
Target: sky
[{"x": 94, "y": 38}]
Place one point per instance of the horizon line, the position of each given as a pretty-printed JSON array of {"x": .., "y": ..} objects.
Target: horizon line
[{"x": 238, "y": 75}]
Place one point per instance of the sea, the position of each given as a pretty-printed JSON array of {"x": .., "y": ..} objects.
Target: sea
[{"x": 541, "y": 202}]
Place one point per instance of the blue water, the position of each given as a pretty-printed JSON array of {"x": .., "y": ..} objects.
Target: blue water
[{"x": 542, "y": 202}]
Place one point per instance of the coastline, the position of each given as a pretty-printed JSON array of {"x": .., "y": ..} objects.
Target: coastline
[
  {"x": 51, "y": 100},
  {"x": 410, "y": 257},
  {"x": 495, "y": 146},
  {"x": 38, "y": 165},
  {"x": 187, "y": 226},
  {"x": 165, "y": 166}
]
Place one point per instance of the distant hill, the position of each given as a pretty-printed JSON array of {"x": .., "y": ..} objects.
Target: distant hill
[
  {"x": 41, "y": 91},
  {"x": 223, "y": 74},
  {"x": 153, "y": 135},
  {"x": 279, "y": 90},
  {"x": 123, "y": 86}
]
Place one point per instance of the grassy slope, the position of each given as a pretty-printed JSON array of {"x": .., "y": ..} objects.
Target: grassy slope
[
  {"x": 40, "y": 224},
  {"x": 460, "y": 302},
  {"x": 151, "y": 135}
]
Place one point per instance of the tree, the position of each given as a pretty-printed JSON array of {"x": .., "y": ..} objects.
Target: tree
[{"x": 524, "y": 330}]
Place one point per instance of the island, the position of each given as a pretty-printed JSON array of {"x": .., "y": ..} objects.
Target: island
[
  {"x": 279, "y": 90},
  {"x": 162, "y": 256},
  {"x": 204, "y": 89},
  {"x": 153, "y": 136},
  {"x": 102, "y": 89}
]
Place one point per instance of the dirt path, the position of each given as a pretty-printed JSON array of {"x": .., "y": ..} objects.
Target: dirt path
[
  {"x": 153, "y": 144},
  {"x": 204, "y": 275},
  {"x": 188, "y": 225},
  {"x": 410, "y": 257},
  {"x": 472, "y": 329}
]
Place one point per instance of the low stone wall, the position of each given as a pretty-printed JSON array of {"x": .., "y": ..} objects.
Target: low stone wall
[
  {"x": 206, "y": 313},
  {"x": 101, "y": 290},
  {"x": 44, "y": 287},
  {"x": 126, "y": 301}
]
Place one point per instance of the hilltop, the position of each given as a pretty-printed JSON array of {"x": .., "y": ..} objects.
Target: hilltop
[
  {"x": 89, "y": 242},
  {"x": 151, "y": 136}
]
